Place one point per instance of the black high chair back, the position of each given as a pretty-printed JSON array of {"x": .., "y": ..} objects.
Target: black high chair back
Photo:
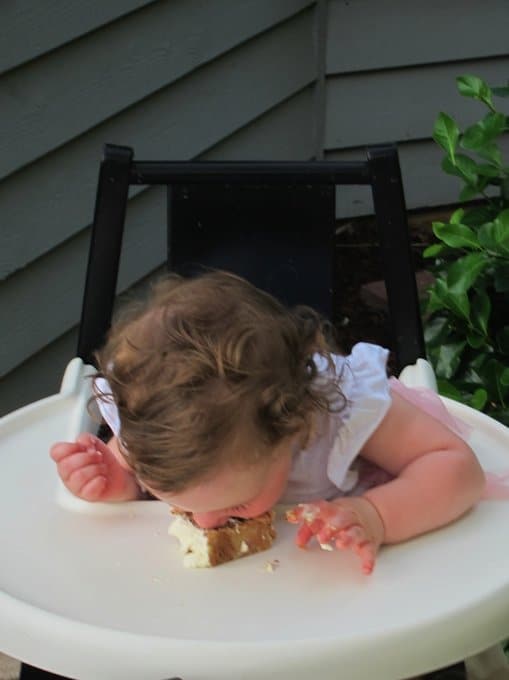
[{"x": 271, "y": 222}]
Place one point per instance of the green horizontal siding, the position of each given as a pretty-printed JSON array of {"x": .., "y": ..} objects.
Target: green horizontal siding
[
  {"x": 369, "y": 35},
  {"x": 211, "y": 103},
  {"x": 43, "y": 300},
  {"x": 29, "y": 29},
  {"x": 401, "y": 104},
  {"x": 52, "y": 100}
]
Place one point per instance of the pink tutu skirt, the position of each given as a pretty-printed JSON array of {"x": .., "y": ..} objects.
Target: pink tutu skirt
[{"x": 497, "y": 486}]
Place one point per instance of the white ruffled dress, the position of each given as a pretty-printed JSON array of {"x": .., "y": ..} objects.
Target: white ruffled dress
[{"x": 327, "y": 468}]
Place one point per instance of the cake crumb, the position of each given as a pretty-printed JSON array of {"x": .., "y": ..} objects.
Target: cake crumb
[
  {"x": 326, "y": 546},
  {"x": 271, "y": 566}
]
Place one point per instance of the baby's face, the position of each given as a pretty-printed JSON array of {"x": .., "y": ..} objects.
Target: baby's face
[{"x": 239, "y": 492}]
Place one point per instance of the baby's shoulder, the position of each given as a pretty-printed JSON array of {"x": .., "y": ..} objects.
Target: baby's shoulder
[{"x": 360, "y": 374}]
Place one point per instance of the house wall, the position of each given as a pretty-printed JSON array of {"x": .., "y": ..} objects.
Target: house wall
[
  {"x": 175, "y": 79},
  {"x": 182, "y": 79}
]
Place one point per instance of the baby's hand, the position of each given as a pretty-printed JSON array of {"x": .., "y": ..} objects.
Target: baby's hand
[
  {"x": 89, "y": 469},
  {"x": 352, "y": 523}
]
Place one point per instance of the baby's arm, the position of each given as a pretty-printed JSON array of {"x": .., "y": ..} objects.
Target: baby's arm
[
  {"x": 437, "y": 476},
  {"x": 95, "y": 471}
]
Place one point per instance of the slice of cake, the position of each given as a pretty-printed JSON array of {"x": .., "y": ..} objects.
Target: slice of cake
[{"x": 211, "y": 547}]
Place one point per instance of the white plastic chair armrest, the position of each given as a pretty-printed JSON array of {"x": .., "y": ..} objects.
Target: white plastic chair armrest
[{"x": 420, "y": 374}]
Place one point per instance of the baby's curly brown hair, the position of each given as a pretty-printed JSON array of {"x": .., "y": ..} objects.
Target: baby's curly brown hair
[{"x": 212, "y": 371}]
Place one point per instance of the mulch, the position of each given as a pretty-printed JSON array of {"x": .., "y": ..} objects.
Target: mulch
[{"x": 359, "y": 315}]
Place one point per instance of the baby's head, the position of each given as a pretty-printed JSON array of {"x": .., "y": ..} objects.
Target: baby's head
[{"x": 212, "y": 374}]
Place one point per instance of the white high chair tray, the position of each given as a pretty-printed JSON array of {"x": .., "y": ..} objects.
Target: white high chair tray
[{"x": 96, "y": 591}]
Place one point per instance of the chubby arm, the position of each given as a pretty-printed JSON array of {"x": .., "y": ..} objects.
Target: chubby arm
[{"x": 437, "y": 476}]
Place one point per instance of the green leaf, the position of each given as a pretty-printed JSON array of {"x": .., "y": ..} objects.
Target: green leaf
[
  {"x": 457, "y": 303},
  {"x": 501, "y": 230},
  {"x": 463, "y": 273},
  {"x": 492, "y": 372},
  {"x": 475, "y": 339},
  {"x": 469, "y": 192},
  {"x": 447, "y": 389},
  {"x": 491, "y": 152},
  {"x": 475, "y": 88},
  {"x": 448, "y": 358},
  {"x": 504, "y": 377},
  {"x": 479, "y": 215},
  {"x": 500, "y": 414},
  {"x": 457, "y": 216},
  {"x": 455, "y": 235},
  {"x": 448, "y": 167},
  {"x": 494, "y": 124},
  {"x": 502, "y": 339},
  {"x": 433, "y": 250},
  {"x": 436, "y": 330},
  {"x": 494, "y": 235},
  {"x": 500, "y": 91},
  {"x": 484, "y": 132},
  {"x": 504, "y": 189},
  {"x": 460, "y": 305},
  {"x": 467, "y": 168},
  {"x": 501, "y": 277},
  {"x": 487, "y": 170},
  {"x": 486, "y": 236},
  {"x": 480, "y": 312},
  {"x": 479, "y": 399},
  {"x": 434, "y": 303},
  {"x": 446, "y": 134},
  {"x": 473, "y": 137},
  {"x": 473, "y": 372}
]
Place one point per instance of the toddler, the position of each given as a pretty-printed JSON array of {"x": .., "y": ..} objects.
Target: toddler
[{"x": 223, "y": 403}]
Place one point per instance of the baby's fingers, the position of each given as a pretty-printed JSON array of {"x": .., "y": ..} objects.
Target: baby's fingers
[
  {"x": 307, "y": 531},
  {"x": 61, "y": 450},
  {"x": 308, "y": 512},
  {"x": 355, "y": 539},
  {"x": 93, "y": 490},
  {"x": 87, "y": 482},
  {"x": 70, "y": 464},
  {"x": 367, "y": 553},
  {"x": 354, "y": 535}
]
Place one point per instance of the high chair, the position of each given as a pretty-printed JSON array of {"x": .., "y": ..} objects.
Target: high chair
[{"x": 98, "y": 591}]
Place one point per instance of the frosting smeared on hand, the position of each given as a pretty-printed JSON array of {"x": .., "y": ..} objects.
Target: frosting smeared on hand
[{"x": 348, "y": 523}]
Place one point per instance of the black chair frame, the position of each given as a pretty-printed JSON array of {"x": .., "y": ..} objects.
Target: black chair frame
[{"x": 380, "y": 170}]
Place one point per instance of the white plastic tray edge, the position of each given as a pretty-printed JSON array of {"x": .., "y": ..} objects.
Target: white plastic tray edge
[{"x": 56, "y": 641}]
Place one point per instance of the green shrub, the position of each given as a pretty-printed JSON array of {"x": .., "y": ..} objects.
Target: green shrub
[{"x": 467, "y": 310}]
